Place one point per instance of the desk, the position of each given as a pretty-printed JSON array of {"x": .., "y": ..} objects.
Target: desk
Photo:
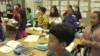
[
  {"x": 28, "y": 44},
  {"x": 36, "y": 52}
]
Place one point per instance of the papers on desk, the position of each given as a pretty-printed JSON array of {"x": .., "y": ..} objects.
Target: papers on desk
[
  {"x": 13, "y": 21},
  {"x": 37, "y": 28},
  {"x": 69, "y": 48},
  {"x": 11, "y": 45},
  {"x": 32, "y": 38},
  {"x": 28, "y": 24}
]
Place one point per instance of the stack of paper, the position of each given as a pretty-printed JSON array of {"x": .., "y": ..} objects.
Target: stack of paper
[
  {"x": 11, "y": 45},
  {"x": 32, "y": 38},
  {"x": 37, "y": 28},
  {"x": 70, "y": 47}
]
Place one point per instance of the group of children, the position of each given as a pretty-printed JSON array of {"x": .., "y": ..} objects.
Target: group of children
[{"x": 62, "y": 31}]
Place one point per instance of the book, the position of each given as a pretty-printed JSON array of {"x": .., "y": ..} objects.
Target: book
[
  {"x": 10, "y": 46},
  {"x": 31, "y": 38}
]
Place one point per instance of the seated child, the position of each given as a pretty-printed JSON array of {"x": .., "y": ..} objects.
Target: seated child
[{"x": 61, "y": 35}]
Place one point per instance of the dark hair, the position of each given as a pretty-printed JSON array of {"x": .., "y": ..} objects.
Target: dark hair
[
  {"x": 43, "y": 9},
  {"x": 78, "y": 9},
  {"x": 23, "y": 15},
  {"x": 98, "y": 13},
  {"x": 29, "y": 10},
  {"x": 71, "y": 8},
  {"x": 18, "y": 5},
  {"x": 55, "y": 14},
  {"x": 63, "y": 32}
]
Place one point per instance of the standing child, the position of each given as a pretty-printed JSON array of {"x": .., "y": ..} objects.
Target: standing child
[
  {"x": 2, "y": 29},
  {"x": 61, "y": 35},
  {"x": 21, "y": 24},
  {"x": 91, "y": 36}
]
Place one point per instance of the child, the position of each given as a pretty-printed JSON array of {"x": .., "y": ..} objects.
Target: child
[
  {"x": 71, "y": 19},
  {"x": 91, "y": 36},
  {"x": 43, "y": 19},
  {"x": 78, "y": 16},
  {"x": 29, "y": 16},
  {"x": 9, "y": 12},
  {"x": 21, "y": 24},
  {"x": 69, "y": 7},
  {"x": 61, "y": 35},
  {"x": 54, "y": 16},
  {"x": 2, "y": 29},
  {"x": 17, "y": 8}
]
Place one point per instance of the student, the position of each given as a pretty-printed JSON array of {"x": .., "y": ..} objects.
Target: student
[
  {"x": 78, "y": 16},
  {"x": 54, "y": 16},
  {"x": 77, "y": 13},
  {"x": 29, "y": 16},
  {"x": 2, "y": 29},
  {"x": 9, "y": 12},
  {"x": 91, "y": 36},
  {"x": 71, "y": 19},
  {"x": 21, "y": 24},
  {"x": 43, "y": 19},
  {"x": 61, "y": 35},
  {"x": 17, "y": 8},
  {"x": 69, "y": 7}
]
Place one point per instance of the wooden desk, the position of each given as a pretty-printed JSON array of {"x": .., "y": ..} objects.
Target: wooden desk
[{"x": 36, "y": 52}]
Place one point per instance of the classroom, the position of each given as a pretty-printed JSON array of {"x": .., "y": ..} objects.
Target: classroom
[{"x": 49, "y": 28}]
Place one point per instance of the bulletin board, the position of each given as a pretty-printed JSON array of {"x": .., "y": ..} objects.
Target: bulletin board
[{"x": 86, "y": 7}]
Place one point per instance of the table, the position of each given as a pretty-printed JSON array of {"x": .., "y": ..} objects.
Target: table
[{"x": 28, "y": 44}]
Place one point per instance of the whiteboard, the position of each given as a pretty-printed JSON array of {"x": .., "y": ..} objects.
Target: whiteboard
[{"x": 2, "y": 7}]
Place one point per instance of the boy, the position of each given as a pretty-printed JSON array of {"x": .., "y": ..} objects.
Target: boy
[{"x": 61, "y": 35}]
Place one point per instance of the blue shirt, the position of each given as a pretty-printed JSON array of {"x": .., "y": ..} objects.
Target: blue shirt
[
  {"x": 71, "y": 20},
  {"x": 50, "y": 53}
]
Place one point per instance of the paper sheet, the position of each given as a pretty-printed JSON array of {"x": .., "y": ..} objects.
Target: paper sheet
[
  {"x": 64, "y": 3},
  {"x": 32, "y": 38},
  {"x": 73, "y": 2},
  {"x": 37, "y": 28},
  {"x": 5, "y": 49},
  {"x": 69, "y": 48},
  {"x": 55, "y": 2},
  {"x": 13, "y": 44}
]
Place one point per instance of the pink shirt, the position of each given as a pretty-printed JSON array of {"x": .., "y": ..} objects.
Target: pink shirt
[{"x": 95, "y": 43}]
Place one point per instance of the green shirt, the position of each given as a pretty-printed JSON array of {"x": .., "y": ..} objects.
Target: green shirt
[{"x": 30, "y": 18}]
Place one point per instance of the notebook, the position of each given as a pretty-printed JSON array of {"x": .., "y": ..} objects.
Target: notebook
[
  {"x": 10, "y": 45},
  {"x": 31, "y": 38}
]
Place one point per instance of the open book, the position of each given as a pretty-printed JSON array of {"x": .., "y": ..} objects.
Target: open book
[{"x": 10, "y": 45}]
